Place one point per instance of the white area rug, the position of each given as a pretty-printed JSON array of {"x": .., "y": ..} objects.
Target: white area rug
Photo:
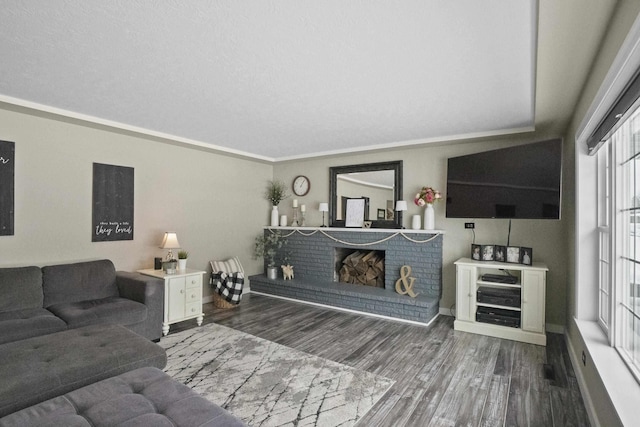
[{"x": 268, "y": 384}]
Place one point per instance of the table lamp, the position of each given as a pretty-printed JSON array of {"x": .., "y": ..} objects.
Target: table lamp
[
  {"x": 324, "y": 207},
  {"x": 170, "y": 241},
  {"x": 401, "y": 205}
]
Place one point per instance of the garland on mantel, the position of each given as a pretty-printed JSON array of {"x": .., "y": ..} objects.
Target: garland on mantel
[{"x": 359, "y": 244}]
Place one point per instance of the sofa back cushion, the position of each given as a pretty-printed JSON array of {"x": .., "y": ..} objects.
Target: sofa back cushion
[
  {"x": 20, "y": 288},
  {"x": 79, "y": 282}
]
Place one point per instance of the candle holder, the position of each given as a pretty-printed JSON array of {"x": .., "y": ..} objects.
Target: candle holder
[
  {"x": 294, "y": 222},
  {"x": 303, "y": 222}
]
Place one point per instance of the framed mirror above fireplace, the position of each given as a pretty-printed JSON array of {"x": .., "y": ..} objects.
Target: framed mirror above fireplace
[{"x": 378, "y": 184}]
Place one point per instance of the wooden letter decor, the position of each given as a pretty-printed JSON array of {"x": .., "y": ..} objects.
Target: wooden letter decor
[
  {"x": 402, "y": 286},
  {"x": 7, "y": 171}
]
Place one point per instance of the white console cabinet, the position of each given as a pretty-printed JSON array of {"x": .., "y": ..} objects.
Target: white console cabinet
[
  {"x": 182, "y": 296},
  {"x": 524, "y": 311}
]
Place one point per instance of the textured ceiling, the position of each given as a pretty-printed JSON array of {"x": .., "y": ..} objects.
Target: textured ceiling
[{"x": 278, "y": 79}]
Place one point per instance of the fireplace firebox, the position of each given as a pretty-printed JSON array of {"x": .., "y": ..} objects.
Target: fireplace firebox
[{"x": 359, "y": 267}]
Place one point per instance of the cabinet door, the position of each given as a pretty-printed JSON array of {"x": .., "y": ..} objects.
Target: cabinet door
[
  {"x": 533, "y": 300},
  {"x": 465, "y": 293},
  {"x": 177, "y": 298}
]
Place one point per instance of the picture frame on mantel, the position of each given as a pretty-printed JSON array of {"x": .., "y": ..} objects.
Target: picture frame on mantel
[{"x": 354, "y": 213}]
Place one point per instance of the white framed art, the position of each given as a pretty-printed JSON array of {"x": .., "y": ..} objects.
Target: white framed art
[{"x": 355, "y": 213}]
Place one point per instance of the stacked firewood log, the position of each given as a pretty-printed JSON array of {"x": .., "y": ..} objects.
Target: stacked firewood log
[{"x": 363, "y": 268}]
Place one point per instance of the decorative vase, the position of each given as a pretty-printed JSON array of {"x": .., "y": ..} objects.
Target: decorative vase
[
  {"x": 415, "y": 222},
  {"x": 182, "y": 264},
  {"x": 429, "y": 217},
  {"x": 272, "y": 273},
  {"x": 274, "y": 216}
]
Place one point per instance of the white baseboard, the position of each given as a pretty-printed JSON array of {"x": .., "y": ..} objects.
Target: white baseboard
[
  {"x": 444, "y": 311},
  {"x": 582, "y": 385},
  {"x": 348, "y": 310},
  {"x": 555, "y": 329}
]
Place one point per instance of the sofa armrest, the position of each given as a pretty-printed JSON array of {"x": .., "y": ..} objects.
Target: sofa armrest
[{"x": 148, "y": 291}]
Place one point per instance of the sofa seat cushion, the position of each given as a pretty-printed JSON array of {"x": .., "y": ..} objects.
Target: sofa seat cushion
[
  {"x": 144, "y": 397},
  {"x": 110, "y": 310},
  {"x": 40, "y": 368},
  {"x": 20, "y": 324}
]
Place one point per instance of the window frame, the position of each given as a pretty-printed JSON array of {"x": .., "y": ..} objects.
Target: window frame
[{"x": 617, "y": 179}]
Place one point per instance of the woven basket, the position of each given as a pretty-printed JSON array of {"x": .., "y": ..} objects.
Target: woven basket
[{"x": 220, "y": 302}]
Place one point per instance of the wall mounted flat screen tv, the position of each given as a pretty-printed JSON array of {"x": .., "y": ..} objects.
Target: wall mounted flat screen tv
[{"x": 523, "y": 181}]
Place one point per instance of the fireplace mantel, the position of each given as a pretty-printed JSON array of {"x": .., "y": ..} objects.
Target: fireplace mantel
[
  {"x": 311, "y": 251},
  {"x": 357, "y": 230}
]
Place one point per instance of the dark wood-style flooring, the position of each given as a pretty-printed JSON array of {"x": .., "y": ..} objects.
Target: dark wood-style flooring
[{"x": 443, "y": 377}]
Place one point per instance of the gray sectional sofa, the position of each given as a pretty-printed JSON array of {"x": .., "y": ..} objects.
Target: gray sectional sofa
[
  {"x": 75, "y": 350},
  {"x": 38, "y": 301}
]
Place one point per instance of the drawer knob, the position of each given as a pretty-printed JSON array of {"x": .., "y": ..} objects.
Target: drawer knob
[
  {"x": 182, "y": 291},
  {"x": 193, "y": 282}
]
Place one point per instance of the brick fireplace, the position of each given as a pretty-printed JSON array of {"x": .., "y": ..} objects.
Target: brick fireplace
[{"x": 313, "y": 253}]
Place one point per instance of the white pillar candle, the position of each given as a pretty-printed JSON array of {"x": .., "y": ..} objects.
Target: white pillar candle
[
  {"x": 295, "y": 203},
  {"x": 415, "y": 222},
  {"x": 283, "y": 221},
  {"x": 303, "y": 208}
]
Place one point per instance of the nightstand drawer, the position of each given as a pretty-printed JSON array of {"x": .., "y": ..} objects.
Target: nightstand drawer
[
  {"x": 194, "y": 295},
  {"x": 194, "y": 281},
  {"x": 194, "y": 308}
]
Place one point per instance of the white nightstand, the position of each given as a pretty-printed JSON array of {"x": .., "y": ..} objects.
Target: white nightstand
[{"x": 182, "y": 295}]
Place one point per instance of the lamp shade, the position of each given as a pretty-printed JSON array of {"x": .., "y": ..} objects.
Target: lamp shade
[
  {"x": 324, "y": 207},
  {"x": 170, "y": 241},
  {"x": 401, "y": 205}
]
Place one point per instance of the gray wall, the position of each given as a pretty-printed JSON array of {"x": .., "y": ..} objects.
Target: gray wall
[{"x": 214, "y": 202}]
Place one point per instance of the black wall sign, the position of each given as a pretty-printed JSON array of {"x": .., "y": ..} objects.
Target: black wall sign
[
  {"x": 112, "y": 203},
  {"x": 7, "y": 174}
]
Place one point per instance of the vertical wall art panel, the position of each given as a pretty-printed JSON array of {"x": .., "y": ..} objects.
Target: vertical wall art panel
[
  {"x": 7, "y": 174},
  {"x": 112, "y": 203}
]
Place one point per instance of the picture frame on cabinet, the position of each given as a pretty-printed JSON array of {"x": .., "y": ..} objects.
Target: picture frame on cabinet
[
  {"x": 500, "y": 253},
  {"x": 475, "y": 252},
  {"x": 513, "y": 254},
  {"x": 526, "y": 256},
  {"x": 382, "y": 214},
  {"x": 487, "y": 252}
]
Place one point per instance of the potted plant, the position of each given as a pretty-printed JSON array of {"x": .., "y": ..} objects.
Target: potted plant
[
  {"x": 275, "y": 193},
  {"x": 267, "y": 246},
  {"x": 182, "y": 260},
  {"x": 170, "y": 265}
]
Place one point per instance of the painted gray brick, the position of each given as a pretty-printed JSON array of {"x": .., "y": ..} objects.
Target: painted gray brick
[{"x": 313, "y": 260}]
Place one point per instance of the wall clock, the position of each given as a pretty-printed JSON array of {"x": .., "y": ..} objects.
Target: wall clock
[{"x": 301, "y": 185}]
